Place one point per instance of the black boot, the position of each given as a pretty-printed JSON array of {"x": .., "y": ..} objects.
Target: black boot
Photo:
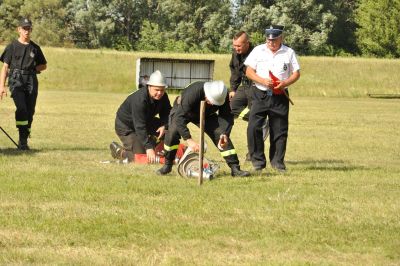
[
  {"x": 116, "y": 150},
  {"x": 23, "y": 139},
  {"x": 23, "y": 145},
  {"x": 167, "y": 168},
  {"x": 235, "y": 171}
]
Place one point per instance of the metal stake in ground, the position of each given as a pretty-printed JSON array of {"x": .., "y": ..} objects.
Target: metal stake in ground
[
  {"x": 9, "y": 136},
  {"x": 201, "y": 152}
]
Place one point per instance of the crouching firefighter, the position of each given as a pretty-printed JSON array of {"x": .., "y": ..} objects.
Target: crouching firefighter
[
  {"x": 136, "y": 123},
  {"x": 22, "y": 59},
  {"x": 218, "y": 123}
]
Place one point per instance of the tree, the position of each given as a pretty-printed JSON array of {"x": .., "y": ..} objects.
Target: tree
[
  {"x": 48, "y": 21},
  {"x": 379, "y": 32},
  {"x": 90, "y": 26},
  {"x": 200, "y": 25},
  {"x": 152, "y": 39},
  {"x": 9, "y": 16},
  {"x": 307, "y": 27},
  {"x": 127, "y": 16},
  {"x": 342, "y": 38}
]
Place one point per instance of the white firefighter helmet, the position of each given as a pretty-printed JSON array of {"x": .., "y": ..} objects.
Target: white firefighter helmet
[
  {"x": 157, "y": 79},
  {"x": 215, "y": 92}
]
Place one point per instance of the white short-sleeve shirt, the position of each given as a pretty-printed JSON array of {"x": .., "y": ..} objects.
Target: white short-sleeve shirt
[{"x": 282, "y": 64}]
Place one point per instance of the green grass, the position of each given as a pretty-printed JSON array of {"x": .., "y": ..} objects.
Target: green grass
[
  {"x": 111, "y": 71},
  {"x": 339, "y": 203}
]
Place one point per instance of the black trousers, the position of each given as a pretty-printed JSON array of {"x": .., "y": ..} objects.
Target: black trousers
[
  {"x": 24, "y": 91},
  {"x": 211, "y": 128},
  {"x": 241, "y": 102},
  {"x": 276, "y": 108},
  {"x": 131, "y": 141}
]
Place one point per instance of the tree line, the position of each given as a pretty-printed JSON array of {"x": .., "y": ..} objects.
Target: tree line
[{"x": 312, "y": 27}]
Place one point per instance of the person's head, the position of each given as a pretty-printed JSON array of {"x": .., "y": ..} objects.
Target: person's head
[
  {"x": 146, "y": 77},
  {"x": 215, "y": 92},
  {"x": 241, "y": 42},
  {"x": 274, "y": 37},
  {"x": 25, "y": 29},
  {"x": 156, "y": 85}
]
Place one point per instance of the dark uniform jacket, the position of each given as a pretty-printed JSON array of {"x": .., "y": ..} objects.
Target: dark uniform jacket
[
  {"x": 189, "y": 110},
  {"x": 23, "y": 56},
  {"x": 138, "y": 111},
  {"x": 238, "y": 69}
]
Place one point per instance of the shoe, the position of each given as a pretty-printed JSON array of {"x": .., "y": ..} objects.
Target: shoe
[
  {"x": 279, "y": 167},
  {"x": 248, "y": 157},
  {"x": 167, "y": 168},
  {"x": 116, "y": 150},
  {"x": 258, "y": 168},
  {"x": 23, "y": 145},
  {"x": 235, "y": 171}
]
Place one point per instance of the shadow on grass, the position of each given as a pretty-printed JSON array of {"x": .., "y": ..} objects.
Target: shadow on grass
[
  {"x": 78, "y": 148},
  {"x": 327, "y": 165},
  {"x": 16, "y": 152}
]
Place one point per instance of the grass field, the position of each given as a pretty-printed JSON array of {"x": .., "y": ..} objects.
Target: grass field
[
  {"x": 339, "y": 203},
  {"x": 111, "y": 71}
]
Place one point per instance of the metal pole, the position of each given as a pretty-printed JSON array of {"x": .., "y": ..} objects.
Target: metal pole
[{"x": 9, "y": 137}]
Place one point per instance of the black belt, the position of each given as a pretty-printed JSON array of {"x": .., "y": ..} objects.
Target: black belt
[{"x": 23, "y": 72}]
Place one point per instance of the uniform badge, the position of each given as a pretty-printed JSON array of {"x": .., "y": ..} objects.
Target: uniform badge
[
  {"x": 285, "y": 67},
  {"x": 32, "y": 54}
]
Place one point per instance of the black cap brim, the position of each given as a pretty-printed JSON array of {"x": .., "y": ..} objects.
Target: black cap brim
[{"x": 273, "y": 33}]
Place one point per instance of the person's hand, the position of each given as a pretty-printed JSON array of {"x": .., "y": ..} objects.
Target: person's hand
[
  {"x": 223, "y": 142},
  {"x": 231, "y": 95},
  {"x": 193, "y": 145},
  {"x": 268, "y": 83},
  {"x": 3, "y": 92},
  {"x": 151, "y": 155},
  {"x": 281, "y": 85},
  {"x": 160, "y": 131}
]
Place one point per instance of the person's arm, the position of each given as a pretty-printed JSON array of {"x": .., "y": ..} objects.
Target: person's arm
[
  {"x": 40, "y": 68},
  {"x": 289, "y": 81},
  {"x": 225, "y": 114},
  {"x": 41, "y": 62},
  {"x": 236, "y": 77},
  {"x": 139, "y": 117},
  {"x": 165, "y": 110},
  {"x": 3, "y": 78}
]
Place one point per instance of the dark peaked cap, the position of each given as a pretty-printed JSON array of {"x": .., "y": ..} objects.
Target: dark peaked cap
[
  {"x": 274, "y": 31},
  {"x": 25, "y": 22}
]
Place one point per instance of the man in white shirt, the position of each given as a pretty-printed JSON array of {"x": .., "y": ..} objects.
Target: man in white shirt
[{"x": 273, "y": 67}]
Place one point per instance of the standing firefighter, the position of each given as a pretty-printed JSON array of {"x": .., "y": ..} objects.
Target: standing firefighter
[
  {"x": 218, "y": 123},
  {"x": 265, "y": 63},
  {"x": 136, "y": 123},
  {"x": 22, "y": 59},
  {"x": 240, "y": 95}
]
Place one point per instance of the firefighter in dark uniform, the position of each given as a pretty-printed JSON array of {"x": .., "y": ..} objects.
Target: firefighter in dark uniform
[
  {"x": 218, "y": 123},
  {"x": 240, "y": 84},
  {"x": 23, "y": 60},
  {"x": 136, "y": 123},
  {"x": 240, "y": 95},
  {"x": 266, "y": 61}
]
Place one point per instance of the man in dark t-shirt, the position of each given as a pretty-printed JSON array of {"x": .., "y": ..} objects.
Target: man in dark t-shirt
[{"x": 22, "y": 61}]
